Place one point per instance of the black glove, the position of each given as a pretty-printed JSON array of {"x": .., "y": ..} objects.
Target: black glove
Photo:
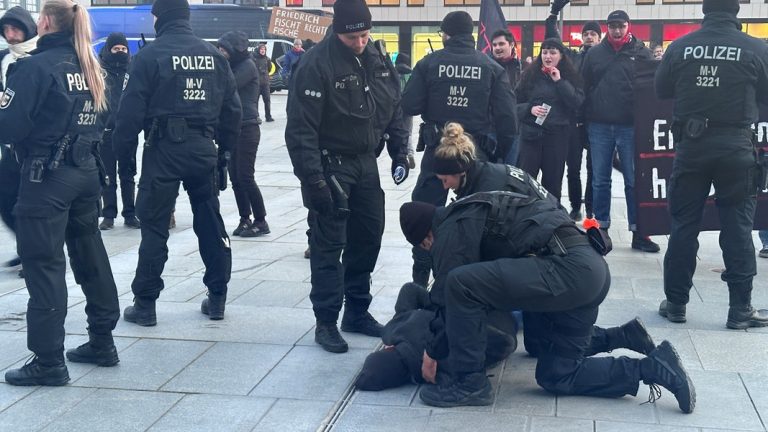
[
  {"x": 222, "y": 169},
  {"x": 400, "y": 170},
  {"x": 319, "y": 195},
  {"x": 557, "y": 6}
]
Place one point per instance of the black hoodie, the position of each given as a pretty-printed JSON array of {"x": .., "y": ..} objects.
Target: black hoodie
[{"x": 235, "y": 43}]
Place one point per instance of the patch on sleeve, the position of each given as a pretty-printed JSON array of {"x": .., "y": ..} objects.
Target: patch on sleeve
[
  {"x": 312, "y": 94},
  {"x": 7, "y": 98}
]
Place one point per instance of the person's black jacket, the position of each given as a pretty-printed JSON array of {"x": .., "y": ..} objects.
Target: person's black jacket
[
  {"x": 514, "y": 69},
  {"x": 564, "y": 98},
  {"x": 245, "y": 72},
  {"x": 116, "y": 67},
  {"x": 479, "y": 98},
  {"x": 608, "y": 81},
  {"x": 330, "y": 109},
  {"x": 156, "y": 90},
  {"x": 262, "y": 65},
  {"x": 40, "y": 106},
  {"x": 731, "y": 93}
]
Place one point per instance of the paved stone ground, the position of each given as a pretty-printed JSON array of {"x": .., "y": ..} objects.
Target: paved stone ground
[{"x": 259, "y": 369}]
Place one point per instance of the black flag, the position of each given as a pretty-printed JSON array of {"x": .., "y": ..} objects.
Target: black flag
[{"x": 491, "y": 20}]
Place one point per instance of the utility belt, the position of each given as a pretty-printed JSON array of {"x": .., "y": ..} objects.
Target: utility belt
[
  {"x": 175, "y": 130},
  {"x": 564, "y": 238},
  {"x": 694, "y": 127},
  {"x": 71, "y": 151}
]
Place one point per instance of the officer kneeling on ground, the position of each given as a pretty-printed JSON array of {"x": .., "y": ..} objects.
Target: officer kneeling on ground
[
  {"x": 506, "y": 250},
  {"x": 717, "y": 76}
]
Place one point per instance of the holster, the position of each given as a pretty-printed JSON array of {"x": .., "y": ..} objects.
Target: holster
[{"x": 176, "y": 129}]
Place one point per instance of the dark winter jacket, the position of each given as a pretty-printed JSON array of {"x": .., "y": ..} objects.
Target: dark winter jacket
[
  {"x": 262, "y": 65},
  {"x": 564, "y": 98},
  {"x": 608, "y": 81},
  {"x": 514, "y": 70},
  {"x": 22, "y": 19},
  {"x": 115, "y": 66},
  {"x": 245, "y": 71}
]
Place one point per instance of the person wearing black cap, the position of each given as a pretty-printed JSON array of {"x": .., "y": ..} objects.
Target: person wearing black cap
[
  {"x": 515, "y": 250},
  {"x": 608, "y": 71},
  {"x": 717, "y": 76},
  {"x": 591, "y": 34},
  {"x": 458, "y": 83},
  {"x": 20, "y": 33},
  {"x": 343, "y": 98},
  {"x": 181, "y": 91},
  {"x": 115, "y": 57}
]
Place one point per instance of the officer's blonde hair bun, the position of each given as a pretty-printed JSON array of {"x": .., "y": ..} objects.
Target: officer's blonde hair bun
[{"x": 456, "y": 144}]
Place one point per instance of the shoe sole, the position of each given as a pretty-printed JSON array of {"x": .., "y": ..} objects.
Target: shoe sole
[
  {"x": 336, "y": 349},
  {"x": 112, "y": 361},
  {"x": 474, "y": 399},
  {"x": 644, "y": 249},
  {"x": 50, "y": 382},
  {"x": 673, "y": 318},
  {"x": 348, "y": 329},
  {"x": 689, "y": 383},
  {"x": 743, "y": 325},
  {"x": 143, "y": 323}
]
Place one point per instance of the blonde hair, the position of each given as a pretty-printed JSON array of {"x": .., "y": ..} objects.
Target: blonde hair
[
  {"x": 456, "y": 144},
  {"x": 66, "y": 15}
]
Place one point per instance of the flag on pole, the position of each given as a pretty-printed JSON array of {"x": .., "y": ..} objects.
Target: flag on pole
[{"x": 491, "y": 20}]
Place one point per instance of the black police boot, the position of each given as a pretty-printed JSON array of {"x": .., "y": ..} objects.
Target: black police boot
[
  {"x": 213, "y": 306},
  {"x": 575, "y": 214},
  {"x": 99, "y": 350},
  {"x": 644, "y": 243},
  {"x": 14, "y": 262},
  {"x": 740, "y": 318},
  {"x": 361, "y": 323},
  {"x": 308, "y": 253},
  {"x": 107, "y": 224},
  {"x": 327, "y": 336},
  {"x": 672, "y": 311},
  {"x": 632, "y": 335},
  {"x": 142, "y": 312},
  {"x": 44, "y": 371},
  {"x": 468, "y": 390},
  {"x": 664, "y": 367}
]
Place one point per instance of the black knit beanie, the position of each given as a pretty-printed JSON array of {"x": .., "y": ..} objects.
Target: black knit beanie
[
  {"x": 416, "y": 221},
  {"x": 116, "y": 38},
  {"x": 456, "y": 23},
  {"x": 729, "y": 6},
  {"x": 592, "y": 25},
  {"x": 169, "y": 10},
  {"x": 351, "y": 16}
]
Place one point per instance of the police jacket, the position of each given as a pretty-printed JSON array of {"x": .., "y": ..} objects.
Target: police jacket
[
  {"x": 342, "y": 103},
  {"x": 47, "y": 98},
  {"x": 464, "y": 233},
  {"x": 608, "y": 81},
  {"x": 115, "y": 68},
  {"x": 245, "y": 72},
  {"x": 716, "y": 72},
  {"x": 179, "y": 75},
  {"x": 262, "y": 65},
  {"x": 460, "y": 84},
  {"x": 489, "y": 177},
  {"x": 563, "y": 96}
]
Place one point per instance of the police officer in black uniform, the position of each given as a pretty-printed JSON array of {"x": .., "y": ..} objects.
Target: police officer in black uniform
[
  {"x": 717, "y": 75},
  {"x": 49, "y": 111},
  {"x": 115, "y": 56},
  {"x": 344, "y": 96},
  {"x": 521, "y": 250},
  {"x": 460, "y": 84},
  {"x": 180, "y": 90}
]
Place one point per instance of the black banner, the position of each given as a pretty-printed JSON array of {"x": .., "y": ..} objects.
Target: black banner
[
  {"x": 491, "y": 20},
  {"x": 654, "y": 153}
]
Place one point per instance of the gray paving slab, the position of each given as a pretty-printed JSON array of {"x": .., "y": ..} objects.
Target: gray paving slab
[
  {"x": 146, "y": 365},
  {"x": 13, "y": 311},
  {"x": 601, "y": 426},
  {"x": 228, "y": 368},
  {"x": 400, "y": 396},
  {"x": 274, "y": 293},
  {"x": 722, "y": 402},
  {"x": 290, "y": 271},
  {"x": 310, "y": 373},
  {"x": 127, "y": 411},
  {"x": 519, "y": 394},
  {"x": 628, "y": 408},
  {"x": 712, "y": 345},
  {"x": 42, "y": 407},
  {"x": 9, "y": 395},
  {"x": 214, "y": 413},
  {"x": 295, "y": 415},
  {"x": 557, "y": 424},
  {"x": 442, "y": 420},
  {"x": 757, "y": 387},
  {"x": 377, "y": 418},
  {"x": 13, "y": 348}
]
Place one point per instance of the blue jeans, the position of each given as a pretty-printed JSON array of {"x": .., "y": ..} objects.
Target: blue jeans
[
  {"x": 764, "y": 238},
  {"x": 604, "y": 139}
]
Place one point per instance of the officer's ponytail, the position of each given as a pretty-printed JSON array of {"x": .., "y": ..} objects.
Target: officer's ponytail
[
  {"x": 68, "y": 16},
  {"x": 456, "y": 144}
]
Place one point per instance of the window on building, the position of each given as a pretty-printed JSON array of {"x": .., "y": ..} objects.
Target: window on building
[
  {"x": 540, "y": 2},
  {"x": 383, "y": 2},
  {"x": 294, "y": 3},
  {"x": 512, "y": 2},
  {"x": 462, "y": 2},
  {"x": 415, "y": 2},
  {"x": 645, "y": 2}
]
